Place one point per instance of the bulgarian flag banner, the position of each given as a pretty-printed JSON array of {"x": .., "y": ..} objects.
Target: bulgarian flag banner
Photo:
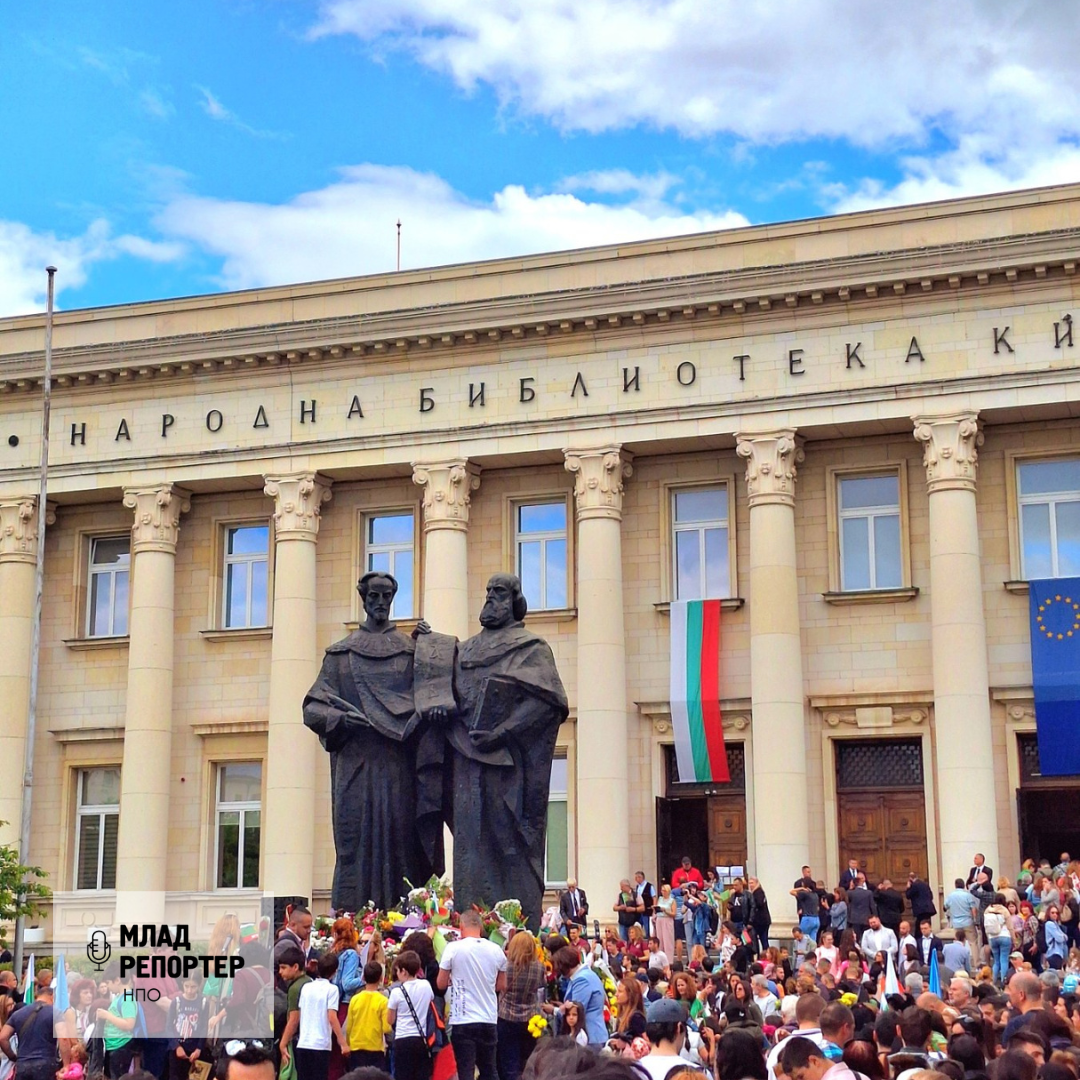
[{"x": 695, "y": 691}]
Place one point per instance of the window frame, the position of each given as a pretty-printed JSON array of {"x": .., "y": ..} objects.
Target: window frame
[
  {"x": 228, "y": 560},
  {"x": 870, "y": 514},
  {"x": 833, "y": 475},
  {"x": 243, "y": 807},
  {"x": 88, "y": 563},
  {"x": 100, "y": 811},
  {"x": 366, "y": 515},
  {"x": 517, "y": 538},
  {"x": 561, "y": 753},
  {"x": 1017, "y": 501},
  {"x": 220, "y": 525},
  {"x": 668, "y": 551}
]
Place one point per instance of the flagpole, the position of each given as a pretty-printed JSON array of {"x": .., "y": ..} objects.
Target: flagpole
[{"x": 35, "y": 641}]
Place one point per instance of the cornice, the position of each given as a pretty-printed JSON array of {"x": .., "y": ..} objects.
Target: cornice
[{"x": 690, "y": 302}]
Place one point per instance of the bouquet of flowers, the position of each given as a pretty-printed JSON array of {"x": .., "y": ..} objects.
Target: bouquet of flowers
[{"x": 537, "y": 1026}]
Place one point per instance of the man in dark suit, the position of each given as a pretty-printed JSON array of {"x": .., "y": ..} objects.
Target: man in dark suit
[
  {"x": 574, "y": 906},
  {"x": 850, "y": 875},
  {"x": 929, "y": 942},
  {"x": 980, "y": 867},
  {"x": 921, "y": 898},
  {"x": 890, "y": 905}
]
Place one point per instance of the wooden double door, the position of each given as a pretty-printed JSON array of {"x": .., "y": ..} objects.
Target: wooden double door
[{"x": 886, "y": 832}]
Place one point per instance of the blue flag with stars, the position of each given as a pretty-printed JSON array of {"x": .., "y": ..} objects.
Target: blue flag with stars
[{"x": 1055, "y": 673}]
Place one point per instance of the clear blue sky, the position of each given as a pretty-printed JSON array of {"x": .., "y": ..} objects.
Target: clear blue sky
[{"x": 156, "y": 150}]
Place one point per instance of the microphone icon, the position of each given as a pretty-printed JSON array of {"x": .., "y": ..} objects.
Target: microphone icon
[{"x": 98, "y": 950}]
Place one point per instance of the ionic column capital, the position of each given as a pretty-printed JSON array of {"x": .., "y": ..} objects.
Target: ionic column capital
[
  {"x": 950, "y": 449},
  {"x": 157, "y": 516},
  {"x": 772, "y": 458},
  {"x": 598, "y": 480},
  {"x": 19, "y": 527},
  {"x": 448, "y": 487},
  {"x": 298, "y": 499}
]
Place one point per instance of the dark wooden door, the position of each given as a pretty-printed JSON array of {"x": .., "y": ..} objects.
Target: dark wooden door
[
  {"x": 727, "y": 830},
  {"x": 886, "y": 832},
  {"x": 682, "y": 828}
]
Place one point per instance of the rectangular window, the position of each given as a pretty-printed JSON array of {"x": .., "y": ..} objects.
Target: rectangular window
[
  {"x": 540, "y": 543},
  {"x": 97, "y": 823},
  {"x": 238, "y": 825},
  {"x": 1049, "y": 496},
  {"x": 247, "y": 562},
  {"x": 107, "y": 586},
  {"x": 699, "y": 543},
  {"x": 388, "y": 546},
  {"x": 870, "y": 553},
  {"x": 557, "y": 856}
]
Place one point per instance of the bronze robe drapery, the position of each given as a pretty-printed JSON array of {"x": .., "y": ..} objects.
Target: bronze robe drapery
[
  {"x": 507, "y": 683},
  {"x": 362, "y": 709}
]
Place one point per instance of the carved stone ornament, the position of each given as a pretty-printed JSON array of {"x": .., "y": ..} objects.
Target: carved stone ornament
[
  {"x": 157, "y": 516},
  {"x": 298, "y": 499},
  {"x": 772, "y": 458},
  {"x": 598, "y": 480},
  {"x": 448, "y": 488},
  {"x": 877, "y": 716},
  {"x": 19, "y": 528},
  {"x": 950, "y": 449}
]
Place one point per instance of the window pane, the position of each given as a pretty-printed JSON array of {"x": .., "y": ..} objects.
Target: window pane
[
  {"x": 708, "y": 504},
  {"x": 113, "y": 551},
  {"x": 529, "y": 572},
  {"x": 556, "y": 574},
  {"x": 887, "y": 552},
  {"x": 1035, "y": 525},
  {"x": 258, "y": 593},
  {"x": 251, "y": 849},
  {"x": 390, "y": 529},
  {"x": 716, "y": 564},
  {"x": 559, "y": 776},
  {"x": 100, "y": 787},
  {"x": 249, "y": 540},
  {"x": 100, "y": 604},
  {"x": 403, "y": 572},
  {"x": 856, "y": 539},
  {"x": 857, "y": 492},
  {"x": 120, "y": 603},
  {"x": 236, "y": 582},
  {"x": 1042, "y": 477},
  {"x": 687, "y": 565},
  {"x": 241, "y": 782},
  {"x": 89, "y": 838},
  {"x": 542, "y": 517},
  {"x": 558, "y": 836},
  {"x": 379, "y": 560},
  {"x": 228, "y": 848},
  {"x": 108, "y": 855},
  {"x": 1068, "y": 539}
]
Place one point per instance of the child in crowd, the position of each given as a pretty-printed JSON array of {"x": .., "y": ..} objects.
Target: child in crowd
[
  {"x": 292, "y": 974},
  {"x": 574, "y": 1022},
  {"x": 186, "y": 1027},
  {"x": 319, "y": 1023},
  {"x": 120, "y": 1020},
  {"x": 408, "y": 1008},
  {"x": 75, "y": 1069},
  {"x": 367, "y": 1025}
]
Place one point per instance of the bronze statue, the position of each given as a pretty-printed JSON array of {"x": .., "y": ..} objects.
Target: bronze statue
[
  {"x": 362, "y": 708},
  {"x": 510, "y": 703}
]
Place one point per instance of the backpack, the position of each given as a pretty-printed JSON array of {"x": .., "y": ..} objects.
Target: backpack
[
  {"x": 1040, "y": 937},
  {"x": 271, "y": 1007}
]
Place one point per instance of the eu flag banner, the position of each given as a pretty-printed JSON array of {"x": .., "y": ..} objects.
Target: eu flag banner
[{"x": 1055, "y": 673}]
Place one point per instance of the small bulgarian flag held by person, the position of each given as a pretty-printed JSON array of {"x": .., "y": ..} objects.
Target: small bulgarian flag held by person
[
  {"x": 695, "y": 692},
  {"x": 28, "y": 989}
]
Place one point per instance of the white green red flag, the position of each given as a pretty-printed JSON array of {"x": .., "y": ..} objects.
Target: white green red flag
[{"x": 695, "y": 692}]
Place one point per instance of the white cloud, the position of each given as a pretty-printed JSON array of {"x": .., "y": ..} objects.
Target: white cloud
[
  {"x": 348, "y": 227},
  {"x": 24, "y": 254},
  {"x": 216, "y": 110}
]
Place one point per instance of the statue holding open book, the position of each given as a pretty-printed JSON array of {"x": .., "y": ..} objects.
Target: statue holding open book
[{"x": 475, "y": 728}]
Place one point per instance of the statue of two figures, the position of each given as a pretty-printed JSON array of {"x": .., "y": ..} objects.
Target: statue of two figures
[{"x": 424, "y": 730}]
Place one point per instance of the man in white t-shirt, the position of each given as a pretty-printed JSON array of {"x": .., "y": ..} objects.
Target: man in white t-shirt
[
  {"x": 666, "y": 1028},
  {"x": 808, "y": 1009},
  {"x": 475, "y": 970},
  {"x": 319, "y": 1023}
]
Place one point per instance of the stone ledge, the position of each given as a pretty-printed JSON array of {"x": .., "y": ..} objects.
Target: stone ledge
[
  {"x": 95, "y": 643},
  {"x": 88, "y": 734},
  {"x": 730, "y": 603},
  {"x": 1016, "y": 587},
  {"x": 240, "y": 633},
  {"x": 870, "y": 596},
  {"x": 231, "y": 727}
]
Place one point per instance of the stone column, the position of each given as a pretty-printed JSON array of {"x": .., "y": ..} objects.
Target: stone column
[
  {"x": 143, "y": 842},
  {"x": 603, "y": 820},
  {"x": 448, "y": 488},
  {"x": 18, "y": 562},
  {"x": 289, "y": 814},
  {"x": 967, "y": 811},
  {"x": 776, "y": 676}
]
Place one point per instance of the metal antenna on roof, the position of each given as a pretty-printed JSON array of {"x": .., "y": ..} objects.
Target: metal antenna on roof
[{"x": 399, "y": 243}]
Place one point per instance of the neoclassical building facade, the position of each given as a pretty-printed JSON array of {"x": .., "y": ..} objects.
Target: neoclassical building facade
[{"x": 859, "y": 433}]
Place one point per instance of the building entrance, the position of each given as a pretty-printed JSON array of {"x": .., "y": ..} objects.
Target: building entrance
[
  {"x": 882, "y": 810},
  {"x": 705, "y": 821},
  {"x": 1047, "y": 808}
]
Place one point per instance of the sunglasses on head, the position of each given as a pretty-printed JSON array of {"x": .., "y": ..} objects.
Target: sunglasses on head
[{"x": 234, "y": 1046}]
